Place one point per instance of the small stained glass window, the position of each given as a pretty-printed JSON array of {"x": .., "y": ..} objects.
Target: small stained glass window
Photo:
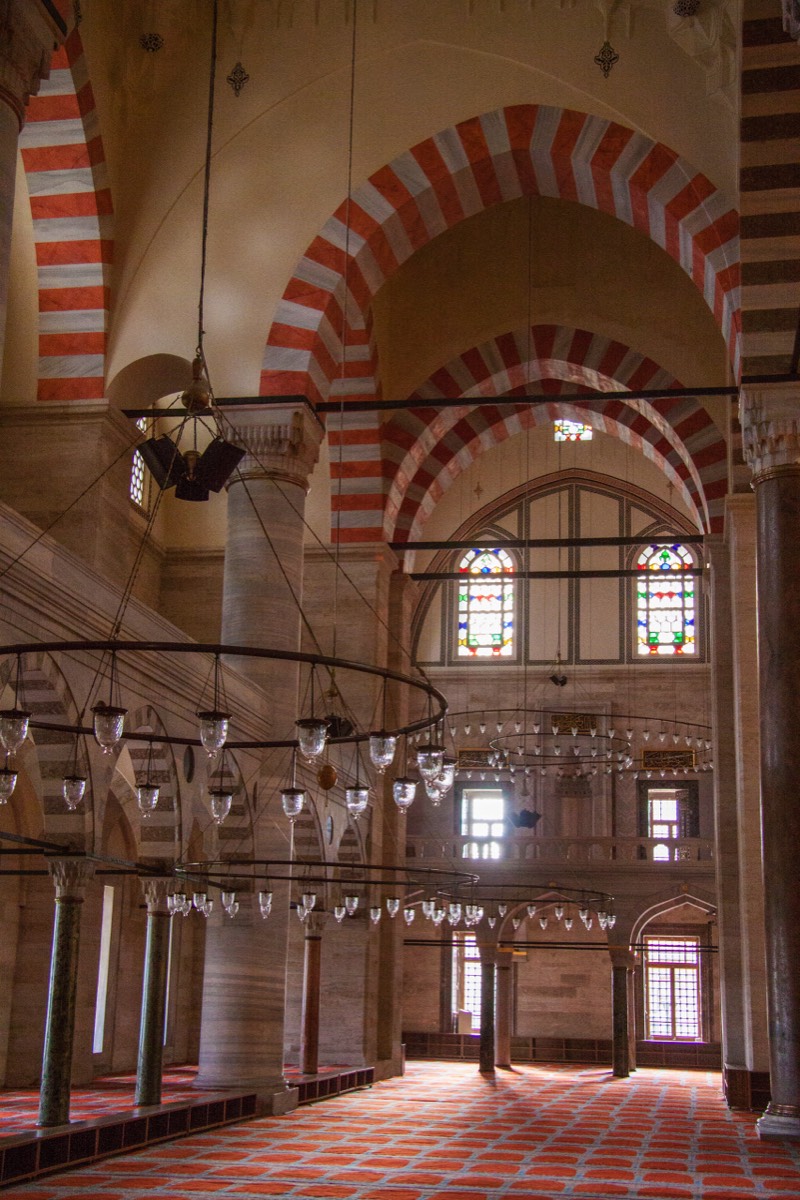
[
  {"x": 140, "y": 480},
  {"x": 486, "y": 605},
  {"x": 572, "y": 431},
  {"x": 665, "y": 601}
]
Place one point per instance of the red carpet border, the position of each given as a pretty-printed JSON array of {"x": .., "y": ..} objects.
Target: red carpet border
[{"x": 445, "y": 1133}]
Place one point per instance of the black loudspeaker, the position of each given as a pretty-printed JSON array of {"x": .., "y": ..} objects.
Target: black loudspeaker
[
  {"x": 217, "y": 463},
  {"x": 191, "y": 489},
  {"x": 163, "y": 460}
]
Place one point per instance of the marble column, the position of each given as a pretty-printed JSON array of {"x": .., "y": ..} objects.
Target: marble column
[
  {"x": 770, "y": 418},
  {"x": 154, "y": 992},
  {"x": 312, "y": 980},
  {"x": 28, "y": 33},
  {"x": 71, "y": 876},
  {"x": 504, "y": 1009},
  {"x": 487, "y": 1038},
  {"x": 622, "y": 1037},
  {"x": 242, "y": 1030}
]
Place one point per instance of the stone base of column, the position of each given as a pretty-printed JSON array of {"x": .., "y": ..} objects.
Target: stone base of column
[
  {"x": 779, "y": 1122},
  {"x": 745, "y": 1089},
  {"x": 276, "y": 1103}
]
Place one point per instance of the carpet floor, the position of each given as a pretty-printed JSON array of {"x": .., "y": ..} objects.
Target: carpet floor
[{"x": 443, "y": 1132}]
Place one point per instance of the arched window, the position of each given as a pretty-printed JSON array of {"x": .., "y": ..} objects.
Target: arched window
[
  {"x": 486, "y": 605},
  {"x": 665, "y": 601}
]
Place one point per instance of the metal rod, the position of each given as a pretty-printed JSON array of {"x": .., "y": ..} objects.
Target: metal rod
[
  {"x": 693, "y": 539},
  {"x": 509, "y": 576}
]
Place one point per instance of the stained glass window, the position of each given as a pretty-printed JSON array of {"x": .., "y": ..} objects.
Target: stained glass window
[
  {"x": 485, "y": 605},
  {"x": 665, "y": 601},
  {"x": 572, "y": 431},
  {"x": 140, "y": 483}
]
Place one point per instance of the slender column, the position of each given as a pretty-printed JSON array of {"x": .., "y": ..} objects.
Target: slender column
[
  {"x": 622, "y": 962},
  {"x": 242, "y": 1031},
  {"x": 771, "y": 428},
  {"x": 504, "y": 1002},
  {"x": 486, "y": 1050},
  {"x": 27, "y": 35},
  {"x": 154, "y": 993},
  {"x": 309, "y": 1021},
  {"x": 70, "y": 875}
]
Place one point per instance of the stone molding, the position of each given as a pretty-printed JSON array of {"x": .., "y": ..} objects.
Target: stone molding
[
  {"x": 71, "y": 876},
  {"x": 282, "y": 443},
  {"x": 156, "y": 889},
  {"x": 28, "y": 36},
  {"x": 770, "y": 420}
]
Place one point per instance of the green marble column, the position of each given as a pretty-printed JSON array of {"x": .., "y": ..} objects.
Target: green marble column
[
  {"x": 486, "y": 1048},
  {"x": 154, "y": 993},
  {"x": 70, "y": 876},
  {"x": 309, "y": 1021}
]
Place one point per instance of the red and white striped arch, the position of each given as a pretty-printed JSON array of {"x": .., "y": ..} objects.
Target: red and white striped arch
[
  {"x": 72, "y": 223},
  {"x": 425, "y": 450},
  {"x": 499, "y": 156}
]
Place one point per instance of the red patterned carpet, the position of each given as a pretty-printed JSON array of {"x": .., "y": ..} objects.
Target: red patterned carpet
[
  {"x": 19, "y": 1109},
  {"x": 445, "y": 1133}
]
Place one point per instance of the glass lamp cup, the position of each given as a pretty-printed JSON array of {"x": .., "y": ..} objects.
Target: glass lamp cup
[
  {"x": 339, "y": 912},
  {"x": 382, "y": 748},
  {"x": 312, "y": 733},
  {"x": 214, "y": 727},
  {"x": 8, "y": 781},
  {"x": 392, "y": 906},
  {"x": 147, "y": 797},
  {"x": 351, "y": 904},
  {"x": 430, "y": 760},
  {"x": 404, "y": 791},
  {"x": 227, "y": 898},
  {"x": 356, "y": 799},
  {"x": 13, "y": 728},
  {"x": 408, "y": 915},
  {"x": 292, "y": 799},
  {"x": 221, "y": 801},
  {"x": 73, "y": 789},
  {"x": 375, "y": 913},
  {"x": 108, "y": 724}
]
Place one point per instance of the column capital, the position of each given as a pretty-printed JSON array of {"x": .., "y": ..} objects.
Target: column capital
[
  {"x": 156, "y": 889},
  {"x": 70, "y": 876},
  {"x": 770, "y": 418},
  {"x": 314, "y": 924},
  {"x": 28, "y": 36},
  {"x": 282, "y": 442}
]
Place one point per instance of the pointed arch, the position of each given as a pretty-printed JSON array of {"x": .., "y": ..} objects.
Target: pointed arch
[{"x": 65, "y": 167}]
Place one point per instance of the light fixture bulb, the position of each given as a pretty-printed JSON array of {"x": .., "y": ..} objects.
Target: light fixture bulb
[
  {"x": 13, "y": 728},
  {"x": 339, "y": 912},
  {"x": 213, "y": 730},
  {"x": 351, "y": 904},
  {"x": 109, "y": 722},
  {"x": 309, "y": 900},
  {"x": 392, "y": 906},
  {"x": 375, "y": 913},
  {"x": 221, "y": 801},
  {"x": 73, "y": 789},
  {"x": 408, "y": 915}
]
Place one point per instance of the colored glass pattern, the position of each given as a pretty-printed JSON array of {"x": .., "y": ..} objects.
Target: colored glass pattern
[
  {"x": 486, "y": 605},
  {"x": 665, "y": 601},
  {"x": 572, "y": 431}
]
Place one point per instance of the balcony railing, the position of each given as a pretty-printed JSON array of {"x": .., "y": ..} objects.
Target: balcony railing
[{"x": 656, "y": 852}]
